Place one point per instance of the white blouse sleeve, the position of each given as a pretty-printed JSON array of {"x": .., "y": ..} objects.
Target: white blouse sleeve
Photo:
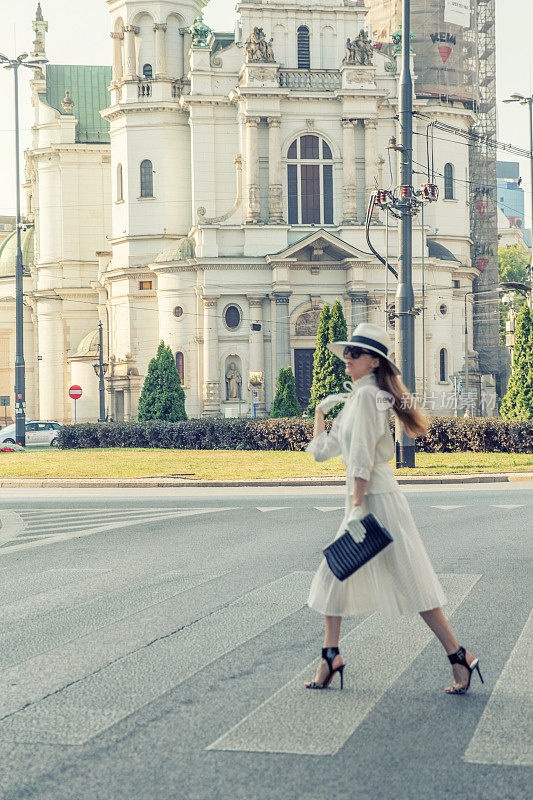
[
  {"x": 369, "y": 426},
  {"x": 326, "y": 445}
]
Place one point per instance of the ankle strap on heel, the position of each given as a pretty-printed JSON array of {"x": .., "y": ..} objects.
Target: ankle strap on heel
[
  {"x": 329, "y": 653},
  {"x": 459, "y": 657}
]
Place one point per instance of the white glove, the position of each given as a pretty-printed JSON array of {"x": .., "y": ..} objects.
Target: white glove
[
  {"x": 355, "y": 515},
  {"x": 330, "y": 401}
]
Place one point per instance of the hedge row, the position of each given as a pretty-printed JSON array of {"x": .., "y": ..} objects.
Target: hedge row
[{"x": 445, "y": 435}]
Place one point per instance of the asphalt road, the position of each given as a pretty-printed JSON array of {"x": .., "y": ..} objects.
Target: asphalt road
[{"x": 153, "y": 645}]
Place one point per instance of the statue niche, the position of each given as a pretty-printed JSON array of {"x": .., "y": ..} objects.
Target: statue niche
[
  {"x": 360, "y": 51},
  {"x": 256, "y": 47},
  {"x": 233, "y": 382}
]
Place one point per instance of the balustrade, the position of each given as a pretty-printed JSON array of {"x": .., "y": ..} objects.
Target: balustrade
[{"x": 323, "y": 80}]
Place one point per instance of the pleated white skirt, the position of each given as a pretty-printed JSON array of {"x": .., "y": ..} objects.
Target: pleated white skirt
[{"x": 399, "y": 580}]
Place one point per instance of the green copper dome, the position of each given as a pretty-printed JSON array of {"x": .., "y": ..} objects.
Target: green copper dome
[{"x": 8, "y": 253}]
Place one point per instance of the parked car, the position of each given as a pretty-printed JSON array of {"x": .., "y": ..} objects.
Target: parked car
[{"x": 37, "y": 433}]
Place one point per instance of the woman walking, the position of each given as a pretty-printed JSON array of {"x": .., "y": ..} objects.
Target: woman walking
[{"x": 400, "y": 579}]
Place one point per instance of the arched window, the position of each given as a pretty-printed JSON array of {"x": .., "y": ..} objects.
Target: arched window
[
  {"x": 180, "y": 367},
  {"x": 147, "y": 71},
  {"x": 120, "y": 194},
  {"x": 310, "y": 181},
  {"x": 147, "y": 179},
  {"x": 448, "y": 182},
  {"x": 443, "y": 365},
  {"x": 304, "y": 56}
]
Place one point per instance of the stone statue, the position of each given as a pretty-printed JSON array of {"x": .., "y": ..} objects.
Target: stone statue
[
  {"x": 359, "y": 51},
  {"x": 233, "y": 382},
  {"x": 256, "y": 47}
]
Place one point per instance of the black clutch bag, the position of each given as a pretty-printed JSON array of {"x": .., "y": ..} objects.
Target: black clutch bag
[{"x": 362, "y": 541}]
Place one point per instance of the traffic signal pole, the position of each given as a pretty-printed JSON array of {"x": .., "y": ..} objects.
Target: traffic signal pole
[{"x": 405, "y": 326}]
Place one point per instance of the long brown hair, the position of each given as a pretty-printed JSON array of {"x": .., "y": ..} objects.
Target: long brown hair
[{"x": 405, "y": 406}]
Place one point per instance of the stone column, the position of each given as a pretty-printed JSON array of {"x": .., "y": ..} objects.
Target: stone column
[
  {"x": 349, "y": 192},
  {"x": 253, "y": 191},
  {"x": 211, "y": 376},
  {"x": 160, "y": 50},
  {"x": 117, "y": 56},
  {"x": 371, "y": 157},
  {"x": 130, "y": 65},
  {"x": 275, "y": 197},
  {"x": 256, "y": 355},
  {"x": 127, "y": 404},
  {"x": 283, "y": 333},
  {"x": 359, "y": 308}
]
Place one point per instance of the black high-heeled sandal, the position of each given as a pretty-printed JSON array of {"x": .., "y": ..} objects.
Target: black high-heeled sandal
[
  {"x": 460, "y": 658},
  {"x": 328, "y": 654}
]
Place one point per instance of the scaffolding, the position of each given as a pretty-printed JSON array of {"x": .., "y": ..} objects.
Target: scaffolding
[{"x": 483, "y": 205}]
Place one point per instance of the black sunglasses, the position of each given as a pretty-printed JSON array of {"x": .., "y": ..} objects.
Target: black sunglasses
[{"x": 355, "y": 352}]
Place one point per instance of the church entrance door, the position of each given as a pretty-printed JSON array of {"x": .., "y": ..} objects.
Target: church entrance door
[{"x": 303, "y": 374}]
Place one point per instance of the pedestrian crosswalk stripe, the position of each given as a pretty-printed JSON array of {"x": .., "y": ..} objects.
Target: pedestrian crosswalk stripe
[
  {"x": 87, "y": 707},
  {"x": 82, "y": 522},
  {"x": 377, "y": 653},
  {"x": 329, "y": 508},
  {"x": 503, "y": 735},
  {"x": 265, "y": 509},
  {"x": 100, "y": 527}
]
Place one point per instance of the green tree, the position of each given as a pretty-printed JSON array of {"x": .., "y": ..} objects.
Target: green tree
[
  {"x": 320, "y": 357},
  {"x": 518, "y": 401},
  {"x": 513, "y": 265},
  {"x": 162, "y": 395},
  {"x": 286, "y": 402},
  {"x": 328, "y": 370}
]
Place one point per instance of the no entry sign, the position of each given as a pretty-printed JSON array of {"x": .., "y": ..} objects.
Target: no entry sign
[{"x": 75, "y": 392}]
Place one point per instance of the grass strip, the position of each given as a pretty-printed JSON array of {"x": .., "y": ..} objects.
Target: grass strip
[{"x": 119, "y": 463}]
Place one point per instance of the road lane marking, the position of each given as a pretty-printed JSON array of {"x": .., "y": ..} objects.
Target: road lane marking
[
  {"x": 295, "y": 720},
  {"x": 447, "y": 508},
  {"x": 329, "y": 508},
  {"x": 266, "y": 509},
  {"x": 112, "y": 526},
  {"x": 494, "y": 505},
  {"x": 87, "y": 707},
  {"x": 503, "y": 734}
]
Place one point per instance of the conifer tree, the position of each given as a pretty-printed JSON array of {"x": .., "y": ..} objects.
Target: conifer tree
[
  {"x": 286, "y": 402},
  {"x": 318, "y": 390},
  {"x": 328, "y": 370},
  {"x": 162, "y": 395},
  {"x": 518, "y": 401}
]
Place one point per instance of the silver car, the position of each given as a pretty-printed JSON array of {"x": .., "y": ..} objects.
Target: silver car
[{"x": 38, "y": 433}]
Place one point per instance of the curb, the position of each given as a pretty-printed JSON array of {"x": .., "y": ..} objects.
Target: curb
[{"x": 148, "y": 483}]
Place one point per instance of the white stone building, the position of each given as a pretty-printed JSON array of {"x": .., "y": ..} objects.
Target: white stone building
[{"x": 219, "y": 201}]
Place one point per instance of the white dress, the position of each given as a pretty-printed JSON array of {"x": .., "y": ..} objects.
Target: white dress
[{"x": 400, "y": 579}]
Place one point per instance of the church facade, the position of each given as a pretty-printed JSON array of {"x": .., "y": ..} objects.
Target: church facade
[{"x": 210, "y": 190}]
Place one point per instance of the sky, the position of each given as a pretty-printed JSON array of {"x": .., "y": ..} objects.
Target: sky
[{"x": 78, "y": 33}]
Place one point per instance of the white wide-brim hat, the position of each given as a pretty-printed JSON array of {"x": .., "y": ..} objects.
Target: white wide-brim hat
[{"x": 369, "y": 337}]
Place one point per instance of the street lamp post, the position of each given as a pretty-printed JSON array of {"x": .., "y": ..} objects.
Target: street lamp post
[
  {"x": 528, "y": 101},
  {"x": 405, "y": 339},
  {"x": 20, "y": 369}
]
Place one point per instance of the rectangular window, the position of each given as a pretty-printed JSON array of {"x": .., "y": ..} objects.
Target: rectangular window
[
  {"x": 292, "y": 187},
  {"x": 328, "y": 194},
  {"x": 145, "y": 284},
  {"x": 310, "y": 181}
]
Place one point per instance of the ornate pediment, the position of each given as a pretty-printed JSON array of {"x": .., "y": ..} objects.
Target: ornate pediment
[{"x": 319, "y": 246}]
